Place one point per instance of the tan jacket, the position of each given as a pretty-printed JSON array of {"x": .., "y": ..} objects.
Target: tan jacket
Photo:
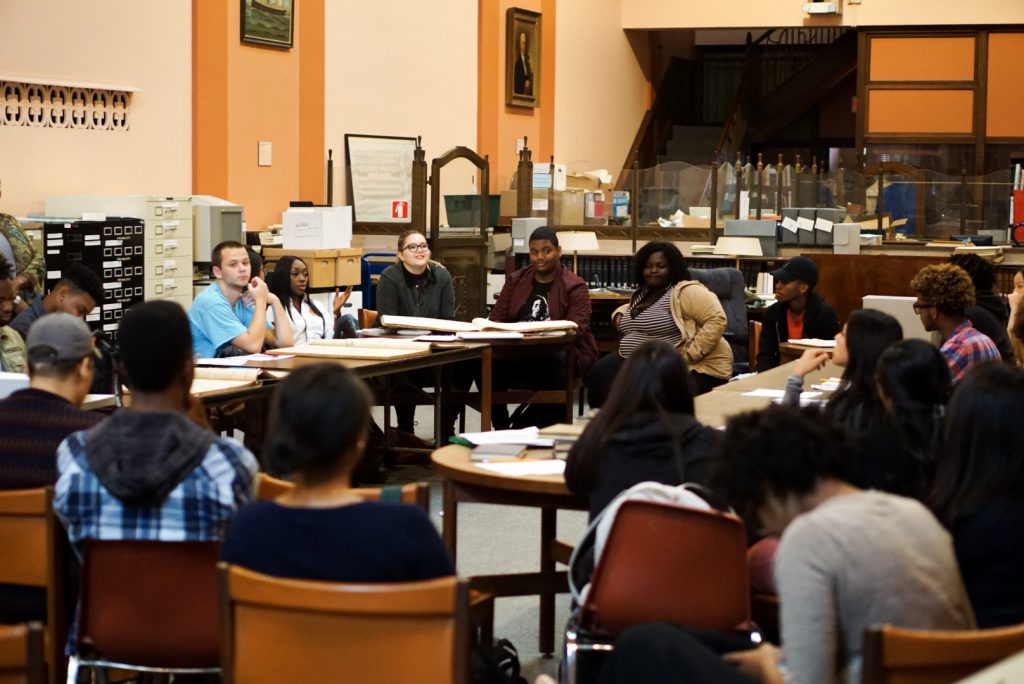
[
  {"x": 701, "y": 322},
  {"x": 12, "y": 350}
]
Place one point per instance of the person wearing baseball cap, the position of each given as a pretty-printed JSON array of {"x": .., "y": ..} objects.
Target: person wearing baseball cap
[
  {"x": 34, "y": 421},
  {"x": 798, "y": 312}
]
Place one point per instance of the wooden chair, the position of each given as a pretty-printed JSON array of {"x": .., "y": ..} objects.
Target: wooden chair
[
  {"x": 895, "y": 655},
  {"x": 662, "y": 563},
  {"x": 149, "y": 606},
  {"x": 21, "y": 654},
  {"x": 33, "y": 553},
  {"x": 415, "y": 493},
  {"x": 367, "y": 317},
  {"x": 278, "y": 630},
  {"x": 753, "y": 342}
]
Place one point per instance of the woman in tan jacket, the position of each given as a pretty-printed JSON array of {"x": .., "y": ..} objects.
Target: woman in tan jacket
[{"x": 672, "y": 307}]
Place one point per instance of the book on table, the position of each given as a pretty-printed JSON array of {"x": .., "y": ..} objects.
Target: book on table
[
  {"x": 374, "y": 349},
  {"x": 477, "y": 325}
]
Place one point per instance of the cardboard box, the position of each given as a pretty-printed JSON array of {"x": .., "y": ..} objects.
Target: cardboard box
[
  {"x": 765, "y": 230},
  {"x": 349, "y": 269},
  {"x": 507, "y": 206},
  {"x": 846, "y": 238},
  {"x": 320, "y": 262},
  {"x": 542, "y": 176},
  {"x": 317, "y": 228},
  {"x": 806, "y": 237},
  {"x": 578, "y": 181},
  {"x": 788, "y": 237},
  {"x": 570, "y": 211}
]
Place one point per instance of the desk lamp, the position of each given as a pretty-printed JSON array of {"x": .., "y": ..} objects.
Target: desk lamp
[
  {"x": 738, "y": 247},
  {"x": 577, "y": 241}
]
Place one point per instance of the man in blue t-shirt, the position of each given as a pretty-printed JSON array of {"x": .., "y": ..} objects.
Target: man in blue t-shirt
[{"x": 232, "y": 312}]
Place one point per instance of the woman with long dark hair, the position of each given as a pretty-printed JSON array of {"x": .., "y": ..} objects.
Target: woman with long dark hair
[
  {"x": 978, "y": 491},
  {"x": 672, "y": 307},
  {"x": 290, "y": 282},
  {"x": 645, "y": 431},
  {"x": 913, "y": 384},
  {"x": 320, "y": 530}
]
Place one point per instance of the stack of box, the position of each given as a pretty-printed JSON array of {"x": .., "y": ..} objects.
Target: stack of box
[
  {"x": 809, "y": 225},
  {"x": 321, "y": 237}
]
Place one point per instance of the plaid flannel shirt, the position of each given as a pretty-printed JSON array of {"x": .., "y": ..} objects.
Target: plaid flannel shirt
[
  {"x": 198, "y": 509},
  {"x": 966, "y": 348}
]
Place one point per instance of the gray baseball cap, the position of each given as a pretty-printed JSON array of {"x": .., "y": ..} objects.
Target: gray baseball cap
[{"x": 59, "y": 337}]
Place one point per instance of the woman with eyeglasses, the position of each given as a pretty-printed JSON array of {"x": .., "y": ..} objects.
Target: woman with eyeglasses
[
  {"x": 415, "y": 286},
  {"x": 290, "y": 282}
]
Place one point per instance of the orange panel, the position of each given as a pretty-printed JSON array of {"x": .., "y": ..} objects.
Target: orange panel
[
  {"x": 920, "y": 111},
  {"x": 922, "y": 59},
  {"x": 312, "y": 156},
  {"x": 1005, "y": 116}
]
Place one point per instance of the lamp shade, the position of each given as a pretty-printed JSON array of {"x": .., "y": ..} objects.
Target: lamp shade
[
  {"x": 578, "y": 240},
  {"x": 738, "y": 246}
]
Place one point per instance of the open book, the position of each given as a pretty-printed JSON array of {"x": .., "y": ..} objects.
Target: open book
[
  {"x": 372, "y": 349},
  {"x": 477, "y": 325}
]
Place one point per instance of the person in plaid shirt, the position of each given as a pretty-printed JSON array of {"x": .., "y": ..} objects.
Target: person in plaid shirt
[
  {"x": 944, "y": 292},
  {"x": 152, "y": 472}
]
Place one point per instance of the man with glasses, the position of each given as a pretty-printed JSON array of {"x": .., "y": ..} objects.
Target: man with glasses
[{"x": 944, "y": 292}]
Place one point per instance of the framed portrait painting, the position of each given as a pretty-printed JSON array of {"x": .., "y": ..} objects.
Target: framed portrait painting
[
  {"x": 268, "y": 22},
  {"x": 522, "y": 58}
]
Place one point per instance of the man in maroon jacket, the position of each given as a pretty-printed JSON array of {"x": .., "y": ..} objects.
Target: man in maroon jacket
[{"x": 544, "y": 290}]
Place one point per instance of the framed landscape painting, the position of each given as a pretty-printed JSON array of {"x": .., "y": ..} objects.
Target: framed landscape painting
[{"x": 268, "y": 22}]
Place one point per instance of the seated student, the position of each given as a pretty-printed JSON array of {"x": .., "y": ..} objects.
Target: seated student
[
  {"x": 914, "y": 385},
  {"x": 544, "y": 290},
  {"x": 12, "y": 346},
  {"x": 847, "y": 559},
  {"x": 1015, "y": 324},
  {"x": 673, "y": 307},
  {"x": 29, "y": 265},
  {"x": 944, "y": 292},
  {"x": 321, "y": 530},
  {"x": 36, "y": 420},
  {"x": 230, "y": 316},
  {"x": 798, "y": 312},
  {"x": 256, "y": 264},
  {"x": 417, "y": 286},
  {"x": 979, "y": 490},
  {"x": 289, "y": 282},
  {"x": 856, "y": 403},
  {"x": 78, "y": 292},
  {"x": 149, "y": 471},
  {"x": 645, "y": 431},
  {"x": 990, "y": 312}
]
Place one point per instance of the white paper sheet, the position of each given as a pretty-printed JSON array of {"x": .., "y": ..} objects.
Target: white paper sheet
[
  {"x": 529, "y": 436},
  {"x": 804, "y": 223},
  {"x": 240, "y": 360},
  {"x": 823, "y": 224},
  {"x": 789, "y": 224},
  {"x": 523, "y": 468},
  {"x": 815, "y": 342},
  {"x": 778, "y": 394}
]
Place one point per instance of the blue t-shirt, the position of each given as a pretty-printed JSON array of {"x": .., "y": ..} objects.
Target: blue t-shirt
[
  {"x": 362, "y": 542},
  {"x": 215, "y": 322}
]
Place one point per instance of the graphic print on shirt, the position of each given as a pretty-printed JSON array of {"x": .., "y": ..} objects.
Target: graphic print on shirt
[{"x": 536, "y": 306}]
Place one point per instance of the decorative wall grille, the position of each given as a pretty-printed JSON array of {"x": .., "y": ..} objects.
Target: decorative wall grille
[{"x": 58, "y": 106}]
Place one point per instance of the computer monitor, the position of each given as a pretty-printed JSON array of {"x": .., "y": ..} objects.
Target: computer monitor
[{"x": 213, "y": 221}]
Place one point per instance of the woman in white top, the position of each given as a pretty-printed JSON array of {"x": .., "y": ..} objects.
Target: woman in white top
[{"x": 290, "y": 282}]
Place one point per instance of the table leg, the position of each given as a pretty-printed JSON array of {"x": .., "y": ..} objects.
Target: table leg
[
  {"x": 486, "y": 363},
  {"x": 548, "y": 532},
  {"x": 449, "y": 526},
  {"x": 570, "y": 382},
  {"x": 439, "y": 400}
]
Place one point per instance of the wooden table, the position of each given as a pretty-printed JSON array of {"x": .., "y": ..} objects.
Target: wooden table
[
  {"x": 788, "y": 351},
  {"x": 465, "y": 482}
]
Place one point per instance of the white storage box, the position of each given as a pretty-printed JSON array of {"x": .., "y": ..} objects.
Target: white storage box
[
  {"x": 317, "y": 228},
  {"x": 542, "y": 176}
]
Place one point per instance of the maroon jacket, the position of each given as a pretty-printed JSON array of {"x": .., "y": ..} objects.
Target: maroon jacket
[{"x": 568, "y": 300}]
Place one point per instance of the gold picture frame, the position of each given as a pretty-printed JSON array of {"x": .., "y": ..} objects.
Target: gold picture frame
[{"x": 522, "y": 58}]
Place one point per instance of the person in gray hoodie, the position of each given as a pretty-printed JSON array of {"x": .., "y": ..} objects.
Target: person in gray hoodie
[{"x": 152, "y": 471}]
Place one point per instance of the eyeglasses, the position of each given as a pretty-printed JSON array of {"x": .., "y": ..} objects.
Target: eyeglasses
[
  {"x": 418, "y": 247},
  {"x": 919, "y": 305}
]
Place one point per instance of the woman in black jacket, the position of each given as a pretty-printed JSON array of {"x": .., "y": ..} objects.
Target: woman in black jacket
[{"x": 646, "y": 430}]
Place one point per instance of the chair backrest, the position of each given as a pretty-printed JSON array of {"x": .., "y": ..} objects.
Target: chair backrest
[
  {"x": 728, "y": 285},
  {"x": 21, "y": 654},
  {"x": 367, "y": 318},
  {"x": 415, "y": 493},
  {"x": 753, "y": 343},
  {"x": 304, "y": 631},
  {"x": 33, "y": 553},
  {"x": 895, "y": 655},
  {"x": 666, "y": 562},
  {"x": 150, "y": 603}
]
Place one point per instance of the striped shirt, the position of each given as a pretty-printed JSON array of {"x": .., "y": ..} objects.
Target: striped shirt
[{"x": 653, "y": 323}]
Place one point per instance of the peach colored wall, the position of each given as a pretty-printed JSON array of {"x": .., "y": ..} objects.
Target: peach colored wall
[
  {"x": 403, "y": 69},
  {"x": 601, "y": 94},
  {"x": 778, "y": 13},
  {"x": 501, "y": 125},
  {"x": 145, "y": 45},
  {"x": 258, "y": 99}
]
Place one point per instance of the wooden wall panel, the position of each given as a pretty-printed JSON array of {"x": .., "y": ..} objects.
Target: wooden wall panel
[
  {"x": 920, "y": 111},
  {"x": 922, "y": 59},
  {"x": 1005, "y": 115},
  {"x": 846, "y": 278}
]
